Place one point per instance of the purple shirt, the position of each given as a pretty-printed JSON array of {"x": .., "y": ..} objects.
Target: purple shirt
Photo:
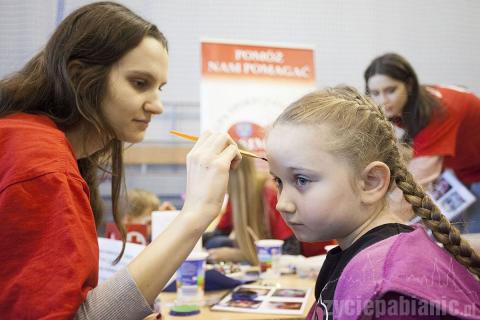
[{"x": 405, "y": 276}]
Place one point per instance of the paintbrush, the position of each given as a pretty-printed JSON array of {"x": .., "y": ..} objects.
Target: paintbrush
[{"x": 195, "y": 138}]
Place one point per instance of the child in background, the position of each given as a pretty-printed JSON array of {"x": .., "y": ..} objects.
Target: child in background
[
  {"x": 141, "y": 204},
  {"x": 139, "y": 208},
  {"x": 335, "y": 157}
]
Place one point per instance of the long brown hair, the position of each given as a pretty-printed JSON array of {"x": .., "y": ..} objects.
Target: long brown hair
[
  {"x": 245, "y": 190},
  {"x": 92, "y": 39},
  {"x": 362, "y": 135},
  {"x": 421, "y": 104}
]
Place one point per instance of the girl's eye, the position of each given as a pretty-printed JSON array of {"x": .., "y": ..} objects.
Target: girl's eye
[
  {"x": 278, "y": 183},
  {"x": 301, "y": 181},
  {"x": 374, "y": 93}
]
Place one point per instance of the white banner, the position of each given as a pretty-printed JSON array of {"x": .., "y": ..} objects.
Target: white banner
[{"x": 245, "y": 86}]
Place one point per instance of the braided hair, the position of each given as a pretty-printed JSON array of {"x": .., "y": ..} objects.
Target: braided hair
[{"x": 367, "y": 136}]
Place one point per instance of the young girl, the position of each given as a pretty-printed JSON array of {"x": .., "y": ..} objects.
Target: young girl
[
  {"x": 67, "y": 113},
  {"x": 251, "y": 215},
  {"x": 441, "y": 123},
  {"x": 334, "y": 157}
]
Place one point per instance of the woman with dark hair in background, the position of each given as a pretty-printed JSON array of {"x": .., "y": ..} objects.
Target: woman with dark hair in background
[
  {"x": 65, "y": 115},
  {"x": 441, "y": 124}
]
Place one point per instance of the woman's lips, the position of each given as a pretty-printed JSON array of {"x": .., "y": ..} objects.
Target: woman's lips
[{"x": 142, "y": 123}]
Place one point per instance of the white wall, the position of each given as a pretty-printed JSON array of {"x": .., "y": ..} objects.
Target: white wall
[{"x": 439, "y": 37}]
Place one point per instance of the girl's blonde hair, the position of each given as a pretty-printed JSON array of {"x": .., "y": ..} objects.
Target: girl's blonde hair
[
  {"x": 138, "y": 201},
  {"x": 361, "y": 134},
  {"x": 245, "y": 189}
]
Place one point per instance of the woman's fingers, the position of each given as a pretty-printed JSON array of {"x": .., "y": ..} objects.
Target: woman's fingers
[
  {"x": 208, "y": 166},
  {"x": 225, "y": 254},
  {"x": 232, "y": 154},
  {"x": 212, "y": 256}
]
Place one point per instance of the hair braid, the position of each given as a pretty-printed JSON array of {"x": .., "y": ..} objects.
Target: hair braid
[
  {"x": 366, "y": 136},
  {"x": 443, "y": 231},
  {"x": 423, "y": 206}
]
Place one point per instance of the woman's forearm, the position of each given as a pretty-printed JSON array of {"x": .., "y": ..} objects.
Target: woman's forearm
[
  {"x": 155, "y": 265},
  {"x": 208, "y": 165}
]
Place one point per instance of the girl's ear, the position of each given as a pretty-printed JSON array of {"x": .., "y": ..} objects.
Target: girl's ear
[{"x": 375, "y": 180}]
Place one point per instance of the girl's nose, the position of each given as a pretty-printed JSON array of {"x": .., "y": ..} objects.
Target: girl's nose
[{"x": 284, "y": 206}]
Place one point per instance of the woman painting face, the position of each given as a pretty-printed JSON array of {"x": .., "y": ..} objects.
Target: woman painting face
[
  {"x": 389, "y": 93},
  {"x": 134, "y": 85}
]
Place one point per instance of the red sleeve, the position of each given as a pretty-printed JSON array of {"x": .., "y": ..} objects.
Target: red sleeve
[
  {"x": 225, "y": 224},
  {"x": 278, "y": 227},
  {"x": 49, "y": 247},
  {"x": 439, "y": 138}
]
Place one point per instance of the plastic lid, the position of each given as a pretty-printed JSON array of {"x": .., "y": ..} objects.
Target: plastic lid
[
  {"x": 269, "y": 243},
  {"x": 185, "y": 310}
]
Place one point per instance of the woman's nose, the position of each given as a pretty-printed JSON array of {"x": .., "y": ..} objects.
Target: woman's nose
[
  {"x": 384, "y": 98},
  {"x": 155, "y": 106}
]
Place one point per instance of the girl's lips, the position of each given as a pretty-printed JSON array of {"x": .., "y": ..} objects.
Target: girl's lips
[{"x": 295, "y": 224}]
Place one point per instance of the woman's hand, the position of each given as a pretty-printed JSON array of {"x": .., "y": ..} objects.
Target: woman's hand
[
  {"x": 225, "y": 254},
  {"x": 208, "y": 166}
]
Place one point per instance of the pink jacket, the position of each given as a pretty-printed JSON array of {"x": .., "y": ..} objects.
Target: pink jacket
[{"x": 405, "y": 265}]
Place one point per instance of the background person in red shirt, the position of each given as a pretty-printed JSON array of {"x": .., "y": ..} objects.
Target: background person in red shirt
[
  {"x": 440, "y": 123},
  {"x": 94, "y": 86}
]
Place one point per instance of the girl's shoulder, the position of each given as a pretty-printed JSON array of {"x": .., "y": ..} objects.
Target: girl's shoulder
[{"x": 413, "y": 265}]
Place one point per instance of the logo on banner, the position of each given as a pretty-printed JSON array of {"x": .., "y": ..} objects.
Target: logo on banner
[
  {"x": 252, "y": 136},
  {"x": 249, "y": 134}
]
